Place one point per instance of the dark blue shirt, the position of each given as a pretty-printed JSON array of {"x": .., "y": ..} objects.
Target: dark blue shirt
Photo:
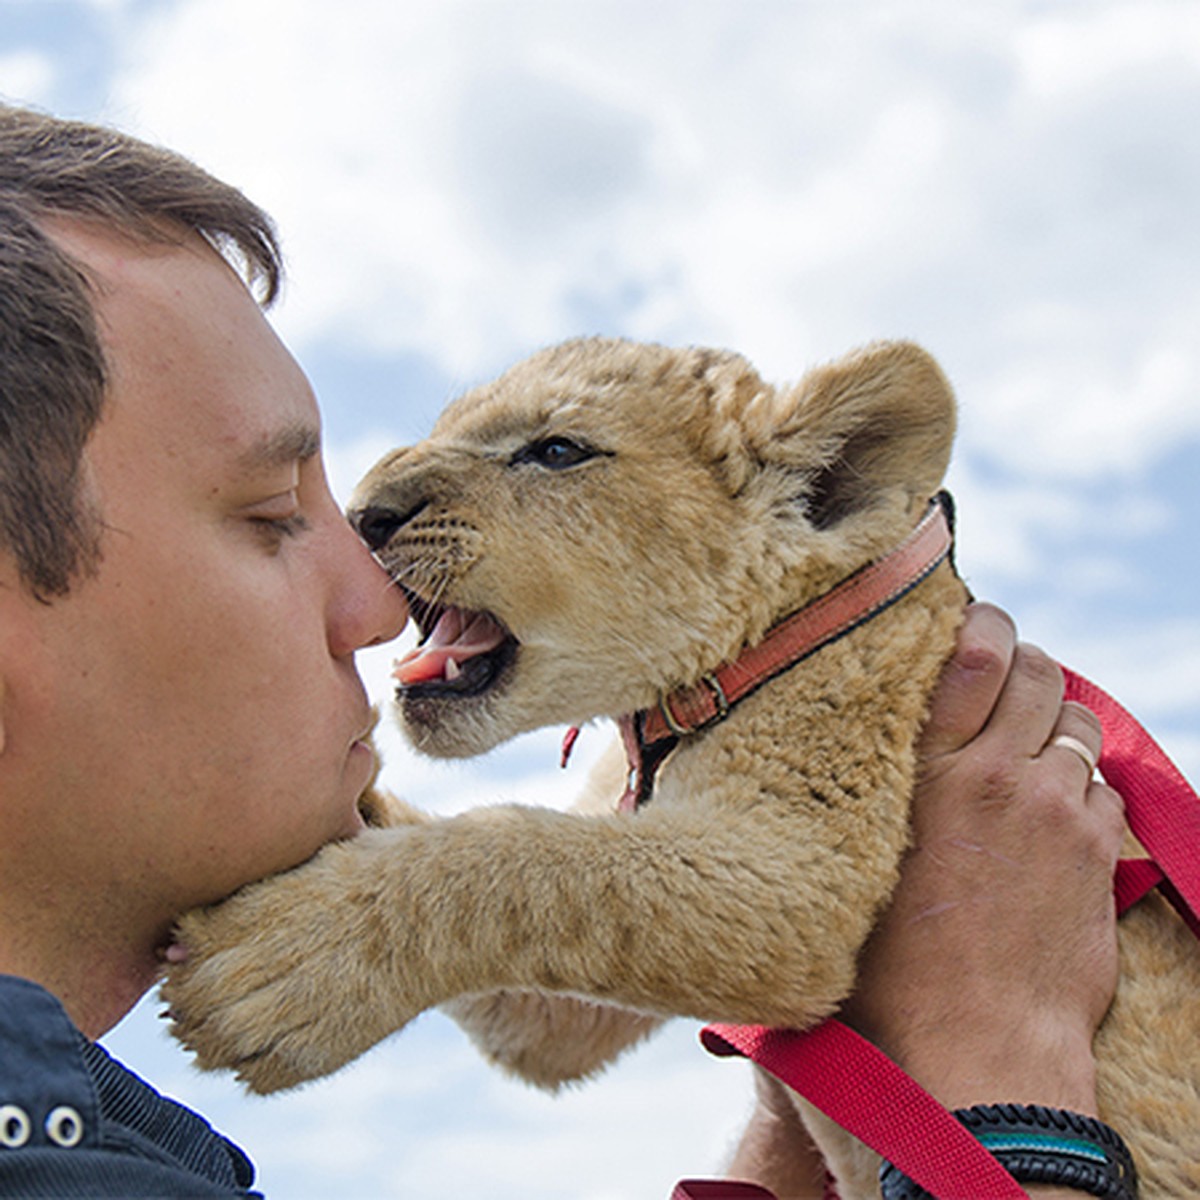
[{"x": 75, "y": 1122}]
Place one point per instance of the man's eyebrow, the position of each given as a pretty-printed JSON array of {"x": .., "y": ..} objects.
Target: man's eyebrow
[{"x": 293, "y": 443}]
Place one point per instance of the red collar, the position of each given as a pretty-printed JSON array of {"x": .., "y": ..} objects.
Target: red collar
[{"x": 649, "y": 735}]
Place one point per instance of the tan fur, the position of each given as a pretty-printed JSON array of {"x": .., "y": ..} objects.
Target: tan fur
[{"x": 744, "y": 889}]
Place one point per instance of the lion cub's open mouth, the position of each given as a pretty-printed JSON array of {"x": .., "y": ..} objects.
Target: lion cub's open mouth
[{"x": 461, "y": 652}]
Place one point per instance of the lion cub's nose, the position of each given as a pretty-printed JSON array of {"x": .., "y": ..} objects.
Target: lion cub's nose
[{"x": 377, "y": 525}]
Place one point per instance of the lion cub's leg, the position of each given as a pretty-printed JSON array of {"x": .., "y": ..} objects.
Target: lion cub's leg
[
  {"x": 550, "y": 1039},
  {"x": 382, "y": 810}
]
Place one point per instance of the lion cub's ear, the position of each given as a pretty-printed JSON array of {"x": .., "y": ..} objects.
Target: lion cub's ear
[{"x": 862, "y": 429}]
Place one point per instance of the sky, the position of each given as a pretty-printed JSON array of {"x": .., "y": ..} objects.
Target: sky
[{"x": 1014, "y": 185}]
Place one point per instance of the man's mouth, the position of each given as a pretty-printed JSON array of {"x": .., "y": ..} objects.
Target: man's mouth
[{"x": 461, "y": 652}]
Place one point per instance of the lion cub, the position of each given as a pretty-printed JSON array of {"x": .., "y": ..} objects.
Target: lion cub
[{"x": 605, "y": 524}]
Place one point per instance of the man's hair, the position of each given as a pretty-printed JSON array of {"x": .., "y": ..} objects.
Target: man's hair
[{"x": 52, "y": 367}]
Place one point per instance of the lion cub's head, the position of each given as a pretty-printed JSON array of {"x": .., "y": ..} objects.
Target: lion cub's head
[{"x": 609, "y": 520}]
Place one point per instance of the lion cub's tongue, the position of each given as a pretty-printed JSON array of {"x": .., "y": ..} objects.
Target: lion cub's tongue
[{"x": 458, "y": 636}]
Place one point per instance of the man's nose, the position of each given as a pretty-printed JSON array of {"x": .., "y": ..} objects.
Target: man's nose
[{"x": 371, "y": 609}]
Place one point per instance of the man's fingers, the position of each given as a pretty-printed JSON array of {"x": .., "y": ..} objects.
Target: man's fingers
[
  {"x": 1074, "y": 748},
  {"x": 1109, "y": 810},
  {"x": 971, "y": 682},
  {"x": 1028, "y": 709},
  {"x": 1076, "y": 734}
]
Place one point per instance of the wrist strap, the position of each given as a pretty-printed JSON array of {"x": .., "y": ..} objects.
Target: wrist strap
[{"x": 1039, "y": 1145}]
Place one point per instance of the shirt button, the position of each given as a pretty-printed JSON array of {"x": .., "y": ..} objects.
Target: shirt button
[
  {"x": 14, "y": 1126},
  {"x": 64, "y": 1126}
]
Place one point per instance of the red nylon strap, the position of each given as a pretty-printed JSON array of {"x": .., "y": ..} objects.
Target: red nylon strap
[
  {"x": 853, "y": 601},
  {"x": 1162, "y": 809},
  {"x": 1135, "y": 878},
  {"x": 858, "y": 1086},
  {"x": 719, "y": 1189}
]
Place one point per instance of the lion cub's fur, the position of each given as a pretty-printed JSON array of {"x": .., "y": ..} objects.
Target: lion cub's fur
[{"x": 711, "y": 505}]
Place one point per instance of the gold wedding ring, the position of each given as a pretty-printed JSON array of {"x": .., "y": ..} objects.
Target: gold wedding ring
[{"x": 1067, "y": 742}]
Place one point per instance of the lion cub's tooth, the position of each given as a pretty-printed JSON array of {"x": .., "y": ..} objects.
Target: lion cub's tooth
[{"x": 453, "y": 670}]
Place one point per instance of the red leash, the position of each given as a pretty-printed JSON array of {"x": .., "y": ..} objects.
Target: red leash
[
  {"x": 1162, "y": 809},
  {"x": 860, "y": 1088}
]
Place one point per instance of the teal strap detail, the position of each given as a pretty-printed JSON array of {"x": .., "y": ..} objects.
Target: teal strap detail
[{"x": 1042, "y": 1143}]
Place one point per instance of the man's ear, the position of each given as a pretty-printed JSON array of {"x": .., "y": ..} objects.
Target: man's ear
[{"x": 861, "y": 429}]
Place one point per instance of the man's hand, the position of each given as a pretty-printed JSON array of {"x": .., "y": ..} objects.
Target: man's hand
[{"x": 998, "y": 959}]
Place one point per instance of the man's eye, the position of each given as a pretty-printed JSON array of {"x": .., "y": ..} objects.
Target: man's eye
[
  {"x": 555, "y": 453},
  {"x": 274, "y": 531},
  {"x": 283, "y": 526},
  {"x": 277, "y": 518}
]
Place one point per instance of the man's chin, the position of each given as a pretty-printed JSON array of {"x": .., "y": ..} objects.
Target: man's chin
[{"x": 362, "y": 766}]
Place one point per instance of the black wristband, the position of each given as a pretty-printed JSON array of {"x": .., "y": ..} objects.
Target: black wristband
[{"x": 1039, "y": 1145}]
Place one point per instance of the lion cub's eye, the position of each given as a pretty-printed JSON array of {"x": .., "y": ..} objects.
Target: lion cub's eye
[{"x": 554, "y": 453}]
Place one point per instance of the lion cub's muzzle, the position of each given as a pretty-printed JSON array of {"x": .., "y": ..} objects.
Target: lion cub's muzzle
[{"x": 461, "y": 652}]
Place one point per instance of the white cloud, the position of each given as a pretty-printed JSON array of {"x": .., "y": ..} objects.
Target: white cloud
[
  {"x": 26, "y": 76},
  {"x": 1061, "y": 55},
  {"x": 471, "y": 180},
  {"x": 1084, "y": 416}
]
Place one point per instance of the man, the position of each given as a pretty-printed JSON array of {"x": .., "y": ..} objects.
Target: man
[{"x": 180, "y": 603}]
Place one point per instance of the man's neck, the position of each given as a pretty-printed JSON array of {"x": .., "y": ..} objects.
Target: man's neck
[
  {"x": 97, "y": 1002},
  {"x": 96, "y": 984}
]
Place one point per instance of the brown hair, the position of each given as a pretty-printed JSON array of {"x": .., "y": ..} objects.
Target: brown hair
[{"x": 52, "y": 368}]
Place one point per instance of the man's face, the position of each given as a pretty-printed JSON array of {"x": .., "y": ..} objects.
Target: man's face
[{"x": 201, "y": 688}]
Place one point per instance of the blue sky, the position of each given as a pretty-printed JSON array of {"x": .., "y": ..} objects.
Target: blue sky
[{"x": 1014, "y": 185}]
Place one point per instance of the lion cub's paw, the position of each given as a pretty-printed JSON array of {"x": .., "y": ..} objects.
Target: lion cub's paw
[
  {"x": 274, "y": 985},
  {"x": 382, "y": 810}
]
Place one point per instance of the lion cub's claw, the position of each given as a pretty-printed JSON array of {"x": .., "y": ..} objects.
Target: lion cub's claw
[{"x": 269, "y": 985}]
